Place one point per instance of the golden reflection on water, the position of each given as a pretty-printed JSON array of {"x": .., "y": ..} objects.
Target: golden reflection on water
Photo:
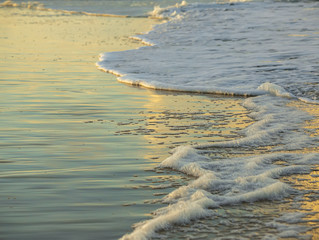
[
  {"x": 47, "y": 60},
  {"x": 46, "y": 44},
  {"x": 58, "y": 114},
  {"x": 178, "y": 119},
  {"x": 309, "y": 182},
  {"x": 36, "y": 47}
]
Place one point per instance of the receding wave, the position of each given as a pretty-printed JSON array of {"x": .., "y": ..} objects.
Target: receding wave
[
  {"x": 194, "y": 53},
  {"x": 235, "y": 180},
  {"x": 249, "y": 49},
  {"x": 227, "y": 181},
  {"x": 158, "y": 85}
]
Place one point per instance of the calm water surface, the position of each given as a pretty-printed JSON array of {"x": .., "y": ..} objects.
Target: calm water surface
[{"x": 78, "y": 149}]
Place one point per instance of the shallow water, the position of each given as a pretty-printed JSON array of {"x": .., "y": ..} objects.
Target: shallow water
[
  {"x": 137, "y": 8},
  {"x": 264, "y": 49},
  {"x": 63, "y": 172},
  {"x": 79, "y": 149},
  {"x": 228, "y": 49},
  {"x": 81, "y": 153}
]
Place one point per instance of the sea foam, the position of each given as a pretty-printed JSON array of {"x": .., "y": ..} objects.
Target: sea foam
[
  {"x": 247, "y": 49},
  {"x": 223, "y": 182},
  {"x": 220, "y": 183},
  {"x": 225, "y": 49}
]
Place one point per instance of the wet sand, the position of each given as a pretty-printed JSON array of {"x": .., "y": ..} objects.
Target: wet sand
[
  {"x": 79, "y": 149},
  {"x": 309, "y": 182}
]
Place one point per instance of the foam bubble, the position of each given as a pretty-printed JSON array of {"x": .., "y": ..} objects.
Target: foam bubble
[
  {"x": 168, "y": 12},
  {"x": 197, "y": 51},
  {"x": 235, "y": 180},
  {"x": 275, "y": 90},
  {"x": 223, "y": 182},
  {"x": 232, "y": 50}
]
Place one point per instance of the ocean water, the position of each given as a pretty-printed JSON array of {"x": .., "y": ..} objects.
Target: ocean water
[
  {"x": 222, "y": 171},
  {"x": 266, "y": 50}
]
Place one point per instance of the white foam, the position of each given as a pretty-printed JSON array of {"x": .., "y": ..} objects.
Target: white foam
[
  {"x": 276, "y": 124},
  {"x": 236, "y": 180},
  {"x": 275, "y": 90},
  {"x": 308, "y": 100},
  {"x": 178, "y": 213},
  {"x": 233, "y": 50},
  {"x": 144, "y": 40},
  {"x": 168, "y": 12},
  {"x": 205, "y": 49},
  {"x": 243, "y": 179}
]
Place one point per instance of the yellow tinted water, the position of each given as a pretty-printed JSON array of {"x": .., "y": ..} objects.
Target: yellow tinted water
[{"x": 74, "y": 141}]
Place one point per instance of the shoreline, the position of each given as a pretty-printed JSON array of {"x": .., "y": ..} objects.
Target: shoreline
[
  {"x": 82, "y": 141},
  {"x": 79, "y": 140}
]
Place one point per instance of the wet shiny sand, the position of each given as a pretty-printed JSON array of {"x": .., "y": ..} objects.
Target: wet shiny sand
[{"x": 79, "y": 149}]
